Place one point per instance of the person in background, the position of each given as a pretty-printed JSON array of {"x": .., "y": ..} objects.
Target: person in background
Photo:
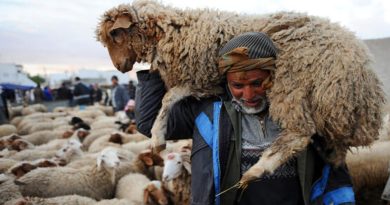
[
  {"x": 38, "y": 94},
  {"x": 129, "y": 109},
  {"x": 47, "y": 94},
  {"x": 98, "y": 93},
  {"x": 132, "y": 90},
  {"x": 64, "y": 93},
  {"x": 81, "y": 93},
  {"x": 4, "y": 116},
  {"x": 119, "y": 96}
]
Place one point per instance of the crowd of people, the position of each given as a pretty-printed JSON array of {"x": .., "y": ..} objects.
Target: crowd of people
[{"x": 121, "y": 98}]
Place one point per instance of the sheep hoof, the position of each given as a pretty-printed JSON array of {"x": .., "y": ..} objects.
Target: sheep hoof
[
  {"x": 159, "y": 148},
  {"x": 252, "y": 174}
]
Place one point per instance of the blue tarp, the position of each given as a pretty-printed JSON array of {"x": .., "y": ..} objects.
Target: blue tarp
[{"x": 11, "y": 86}]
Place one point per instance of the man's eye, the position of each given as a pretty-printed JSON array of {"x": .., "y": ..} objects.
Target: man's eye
[
  {"x": 237, "y": 86},
  {"x": 256, "y": 84}
]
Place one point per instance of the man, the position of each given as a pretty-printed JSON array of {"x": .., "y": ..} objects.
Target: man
[
  {"x": 244, "y": 129},
  {"x": 4, "y": 116},
  {"x": 81, "y": 93},
  {"x": 132, "y": 90},
  {"x": 119, "y": 96},
  {"x": 38, "y": 94}
]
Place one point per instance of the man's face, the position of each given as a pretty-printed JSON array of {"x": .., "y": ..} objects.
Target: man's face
[
  {"x": 114, "y": 81},
  {"x": 246, "y": 87}
]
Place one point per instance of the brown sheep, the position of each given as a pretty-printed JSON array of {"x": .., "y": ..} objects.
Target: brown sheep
[{"x": 322, "y": 84}]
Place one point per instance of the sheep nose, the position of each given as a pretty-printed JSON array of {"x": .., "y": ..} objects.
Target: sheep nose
[
  {"x": 162, "y": 202},
  {"x": 165, "y": 178}
]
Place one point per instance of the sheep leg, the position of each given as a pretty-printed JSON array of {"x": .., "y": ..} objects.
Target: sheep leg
[
  {"x": 159, "y": 128},
  {"x": 285, "y": 147}
]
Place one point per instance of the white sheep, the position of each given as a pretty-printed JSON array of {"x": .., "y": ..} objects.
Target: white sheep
[
  {"x": 95, "y": 134},
  {"x": 21, "y": 168},
  {"x": 87, "y": 159},
  {"x": 97, "y": 182},
  {"x": 5, "y": 164},
  {"x": 138, "y": 188},
  {"x": 177, "y": 176},
  {"x": 43, "y": 136},
  {"x": 63, "y": 200},
  {"x": 16, "y": 120},
  {"x": 104, "y": 122},
  {"x": 8, "y": 189},
  {"x": 102, "y": 142},
  {"x": 7, "y": 129},
  {"x": 68, "y": 200},
  {"x": 108, "y": 110},
  {"x": 85, "y": 114}
]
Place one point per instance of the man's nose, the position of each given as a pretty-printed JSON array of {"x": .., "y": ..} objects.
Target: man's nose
[{"x": 248, "y": 93}]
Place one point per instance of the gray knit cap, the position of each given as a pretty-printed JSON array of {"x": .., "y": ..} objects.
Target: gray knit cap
[{"x": 259, "y": 45}]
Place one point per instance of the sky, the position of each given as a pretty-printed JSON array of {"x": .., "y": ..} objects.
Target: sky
[{"x": 49, "y": 36}]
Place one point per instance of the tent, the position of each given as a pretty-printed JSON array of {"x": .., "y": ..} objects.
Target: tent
[{"x": 12, "y": 77}]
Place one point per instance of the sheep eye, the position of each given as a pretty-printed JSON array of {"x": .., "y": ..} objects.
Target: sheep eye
[
  {"x": 116, "y": 35},
  {"x": 178, "y": 162}
]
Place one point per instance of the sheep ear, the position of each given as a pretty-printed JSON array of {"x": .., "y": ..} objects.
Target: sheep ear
[
  {"x": 187, "y": 163},
  {"x": 147, "y": 159},
  {"x": 122, "y": 21},
  {"x": 99, "y": 163},
  {"x": 187, "y": 166}
]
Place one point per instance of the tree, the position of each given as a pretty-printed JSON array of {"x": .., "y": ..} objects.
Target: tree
[{"x": 37, "y": 79}]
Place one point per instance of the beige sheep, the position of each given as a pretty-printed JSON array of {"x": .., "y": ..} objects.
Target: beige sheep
[
  {"x": 7, "y": 129},
  {"x": 63, "y": 200},
  {"x": 95, "y": 134},
  {"x": 8, "y": 189},
  {"x": 177, "y": 176},
  {"x": 322, "y": 84},
  {"x": 97, "y": 181},
  {"x": 369, "y": 171},
  {"x": 135, "y": 188}
]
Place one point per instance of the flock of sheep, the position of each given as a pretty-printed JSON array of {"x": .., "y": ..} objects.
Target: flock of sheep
[{"x": 91, "y": 156}]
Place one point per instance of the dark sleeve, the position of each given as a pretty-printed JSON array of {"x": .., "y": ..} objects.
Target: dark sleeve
[
  {"x": 181, "y": 118},
  {"x": 149, "y": 94}
]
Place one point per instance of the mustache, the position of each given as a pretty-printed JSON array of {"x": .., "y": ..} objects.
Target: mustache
[{"x": 256, "y": 98}]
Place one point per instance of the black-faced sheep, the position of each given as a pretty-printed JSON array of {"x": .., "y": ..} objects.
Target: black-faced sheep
[{"x": 322, "y": 83}]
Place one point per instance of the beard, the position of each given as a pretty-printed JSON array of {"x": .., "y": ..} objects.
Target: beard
[{"x": 240, "y": 105}]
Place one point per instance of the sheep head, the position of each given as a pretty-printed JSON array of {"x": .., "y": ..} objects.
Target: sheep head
[
  {"x": 71, "y": 148},
  {"x": 108, "y": 158},
  {"x": 22, "y": 169},
  {"x": 131, "y": 33},
  {"x": 154, "y": 193},
  {"x": 115, "y": 32},
  {"x": 116, "y": 138},
  {"x": 20, "y": 145},
  {"x": 174, "y": 165}
]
